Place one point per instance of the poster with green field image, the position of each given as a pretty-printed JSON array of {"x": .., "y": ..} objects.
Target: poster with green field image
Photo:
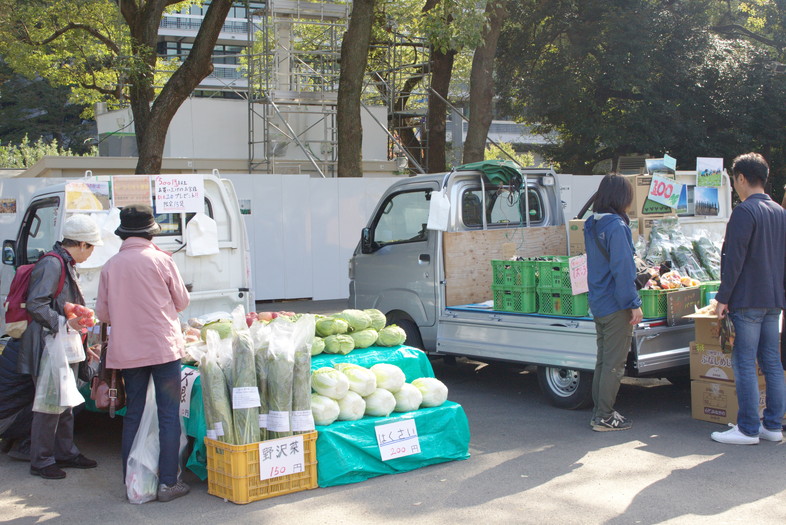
[{"x": 708, "y": 172}]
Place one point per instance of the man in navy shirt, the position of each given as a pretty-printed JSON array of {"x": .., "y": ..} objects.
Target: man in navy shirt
[{"x": 751, "y": 293}]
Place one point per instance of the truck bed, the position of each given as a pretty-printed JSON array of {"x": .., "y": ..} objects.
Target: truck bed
[{"x": 566, "y": 342}]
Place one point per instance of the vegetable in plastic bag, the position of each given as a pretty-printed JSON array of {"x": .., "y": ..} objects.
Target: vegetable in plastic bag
[
  {"x": 361, "y": 380},
  {"x": 351, "y": 407},
  {"x": 261, "y": 336},
  {"x": 408, "y": 398},
  {"x": 380, "y": 403},
  {"x": 390, "y": 377},
  {"x": 245, "y": 393},
  {"x": 434, "y": 391},
  {"x": 339, "y": 344},
  {"x": 392, "y": 335},
  {"x": 356, "y": 319},
  {"x": 302, "y": 337},
  {"x": 215, "y": 393},
  {"x": 324, "y": 409},
  {"x": 329, "y": 382},
  {"x": 709, "y": 254},
  {"x": 280, "y": 376},
  {"x": 326, "y": 326},
  {"x": 222, "y": 327},
  {"x": 378, "y": 319},
  {"x": 364, "y": 338}
]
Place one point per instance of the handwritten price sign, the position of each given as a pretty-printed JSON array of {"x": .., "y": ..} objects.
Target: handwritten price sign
[
  {"x": 665, "y": 191},
  {"x": 281, "y": 457},
  {"x": 397, "y": 439},
  {"x": 188, "y": 377},
  {"x": 578, "y": 274},
  {"x": 180, "y": 193}
]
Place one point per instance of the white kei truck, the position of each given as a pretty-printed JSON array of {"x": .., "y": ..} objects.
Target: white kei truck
[
  {"x": 433, "y": 282},
  {"x": 217, "y": 281}
]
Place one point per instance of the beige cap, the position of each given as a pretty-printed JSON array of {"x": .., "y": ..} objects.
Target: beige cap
[{"x": 82, "y": 228}]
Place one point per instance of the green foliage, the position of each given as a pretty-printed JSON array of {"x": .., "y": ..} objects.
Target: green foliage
[
  {"x": 508, "y": 153},
  {"x": 26, "y": 153}
]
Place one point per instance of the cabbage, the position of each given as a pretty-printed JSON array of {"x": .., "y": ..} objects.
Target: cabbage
[
  {"x": 351, "y": 407},
  {"x": 329, "y": 382},
  {"x": 434, "y": 391},
  {"x": 324, "y": 409},
  {"x": 389, "y": 377},
  {"x": 408, "y": 398},
  {"x": 378, "y": 319},
  {"x": 339, "y": 344},
  {"x": 223, "y": 327},
  {"x": 356, "y": 319},
  {"x": 361, "y": 380},
  {"x": 392, "y": 335},
  {"x": 364, "y": 338},
  {"x": 380, "y": 403},
  {"x": 318, "y": 346},
  {"x": 330, "y": 326}
]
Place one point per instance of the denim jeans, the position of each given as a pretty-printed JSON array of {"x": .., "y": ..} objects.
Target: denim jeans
[
  {"x": 756, "y": 339},
  {"x": 166, "y": 378}
]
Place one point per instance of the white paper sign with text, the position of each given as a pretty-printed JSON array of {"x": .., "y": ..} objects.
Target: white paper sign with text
[
  {"x": 665, "y": 191},
  {"x": 180, "y": 193},
  {"x": 188, "y": 377},
  {"x": 281, "y": 457},
  {"x": 397, "y": 439},
  {"x": 578, "y": 274}
]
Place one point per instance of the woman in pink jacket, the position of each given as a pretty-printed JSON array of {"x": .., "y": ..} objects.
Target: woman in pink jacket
[{"x": 140, "y": 294}]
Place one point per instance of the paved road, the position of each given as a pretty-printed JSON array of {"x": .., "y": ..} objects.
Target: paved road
[{"x": 530, "y": 463}]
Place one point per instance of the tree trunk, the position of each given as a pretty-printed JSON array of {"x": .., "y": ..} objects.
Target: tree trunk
[
  {"x": 354, "y": 56},
  {"x": 441, "y": 71},
  {"x": 152, "y": 122},
  {"x": 481, "y": 85}
]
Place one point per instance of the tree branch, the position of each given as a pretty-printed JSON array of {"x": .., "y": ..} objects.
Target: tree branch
[
  {"x": 734, "y": 30},
  {"x": 25, "y": 38}
]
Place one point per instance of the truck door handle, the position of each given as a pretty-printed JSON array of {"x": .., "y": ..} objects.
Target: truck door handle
[{"x": 424, "y": 258}]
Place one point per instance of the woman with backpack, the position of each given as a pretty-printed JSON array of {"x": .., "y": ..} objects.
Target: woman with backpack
[{"x": 52, "y": 435}]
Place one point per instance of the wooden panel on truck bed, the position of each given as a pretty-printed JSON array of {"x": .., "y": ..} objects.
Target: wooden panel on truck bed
[{"x": 468, "y": 257}]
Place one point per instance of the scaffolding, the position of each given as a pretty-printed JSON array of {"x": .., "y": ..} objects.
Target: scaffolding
[{"x": 293, "y": 75}]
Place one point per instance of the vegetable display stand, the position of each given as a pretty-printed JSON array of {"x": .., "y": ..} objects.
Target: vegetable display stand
[
  {"x": 233, "y": 472},
  {"x": 349, "y": 451}
]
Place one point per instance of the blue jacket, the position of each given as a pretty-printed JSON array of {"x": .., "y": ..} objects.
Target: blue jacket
[
  {"x": 611, "y": 276},
  {"x": 753, "y": 255}
]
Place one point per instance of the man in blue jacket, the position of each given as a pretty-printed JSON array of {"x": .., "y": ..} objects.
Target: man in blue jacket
[{"x": 751, "y": 293}]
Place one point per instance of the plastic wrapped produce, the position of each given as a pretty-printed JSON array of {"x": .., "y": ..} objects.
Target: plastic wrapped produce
[
  {"x": 215, "y": 392},
  {"x": 303, "y": 335},
  {"x": 280, "y": 375},
  {"x": 260, "y": 332},
  {"x": 709, "y": 253},
  {"x": 245, "y": 394}
]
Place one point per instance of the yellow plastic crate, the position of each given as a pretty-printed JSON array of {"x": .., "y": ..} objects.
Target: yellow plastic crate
[{"x": 233, "y": 472}]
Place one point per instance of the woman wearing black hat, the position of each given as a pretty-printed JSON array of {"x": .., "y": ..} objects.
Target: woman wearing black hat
[{"x": 140, "y": 294}]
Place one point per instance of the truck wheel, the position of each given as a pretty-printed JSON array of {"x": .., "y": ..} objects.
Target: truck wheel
[
  {"x": 412, "y": 331},
  {"x": 565, "y": 388}
]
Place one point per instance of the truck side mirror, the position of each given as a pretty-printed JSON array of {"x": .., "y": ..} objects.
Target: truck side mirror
[
  {"x": 9, "y": 253},
  {"x": 366, "y": 245}
]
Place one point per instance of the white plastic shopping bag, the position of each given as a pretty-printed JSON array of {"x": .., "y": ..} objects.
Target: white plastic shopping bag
[
  {"x": 439, "y": 211},
  {"x": 56, "y": 388},
  {"x": 201, "y": 236},
  {"x": 142, "y": 468}
]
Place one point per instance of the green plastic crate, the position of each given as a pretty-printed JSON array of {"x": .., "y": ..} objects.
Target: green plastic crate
[
  {"x": 554, "y": 272},
  {"x": 653, "y": 303},
  {"x": 560, "y": 301},
  {"x": 517, "y": 299},
  {"x": 513, "y": 273},
  {"x": 706, "y": 287}
]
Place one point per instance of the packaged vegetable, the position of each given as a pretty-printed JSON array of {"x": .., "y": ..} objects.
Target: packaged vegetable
[{"x": 245, "y": 394}]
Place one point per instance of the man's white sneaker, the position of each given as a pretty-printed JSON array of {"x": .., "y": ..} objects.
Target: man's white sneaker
[
  {"x": 733, "y": 436},
  {"x": 770, "y": 435}
]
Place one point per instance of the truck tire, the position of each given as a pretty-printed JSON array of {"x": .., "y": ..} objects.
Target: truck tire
[
  {"x": 565, "y": 388},
  {"x": 413, "y": 333}
]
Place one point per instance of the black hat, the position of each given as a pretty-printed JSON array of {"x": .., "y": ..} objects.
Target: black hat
[{"x": 137, "y": 218}]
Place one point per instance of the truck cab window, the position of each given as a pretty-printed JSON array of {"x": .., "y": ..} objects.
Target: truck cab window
[
  {"x": 171, "y": 223},
  {"x": 39, "y": 232},
  {"x": 403, "y": 218},
  {"x": 504, "y": 207}
]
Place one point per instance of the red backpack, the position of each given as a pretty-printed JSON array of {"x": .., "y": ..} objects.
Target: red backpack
[{"x": 16, "y": 315}]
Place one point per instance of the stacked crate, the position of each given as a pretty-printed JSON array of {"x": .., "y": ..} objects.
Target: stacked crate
[
  {"x": 513, "y": 286},
  {"x": 555, "y": 294}
]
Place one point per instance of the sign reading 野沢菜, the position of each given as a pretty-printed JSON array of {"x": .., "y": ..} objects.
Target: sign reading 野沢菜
[{"x": 281, "y": 457}]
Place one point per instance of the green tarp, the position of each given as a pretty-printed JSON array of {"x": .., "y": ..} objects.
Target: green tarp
[
  {"x": 496, "y": 171},
  {"x": 348, "y": 452}
]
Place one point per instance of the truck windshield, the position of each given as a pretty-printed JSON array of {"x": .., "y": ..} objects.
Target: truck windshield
[
  {"x": 172, "y": 224},
  {"x": 503, "y": 207}
]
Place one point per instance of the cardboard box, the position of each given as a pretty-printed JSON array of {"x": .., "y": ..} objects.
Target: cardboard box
[
  {"x": 717, "y": 402},
  {"x": 707, "y": 329},
  {"x": 709, "y": 363},
  {"x": 576, "y": 236},
  {"x": 642, "y": 206}
]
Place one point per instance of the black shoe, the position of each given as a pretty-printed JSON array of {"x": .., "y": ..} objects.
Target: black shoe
[
  {"x": 78, "y": 462},
  {"x": 20, "y": 450},
  {"x": 48, "y": 472}
]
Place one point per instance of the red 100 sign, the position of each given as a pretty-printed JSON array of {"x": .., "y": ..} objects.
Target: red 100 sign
[{"x": 661, "y": 189}]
